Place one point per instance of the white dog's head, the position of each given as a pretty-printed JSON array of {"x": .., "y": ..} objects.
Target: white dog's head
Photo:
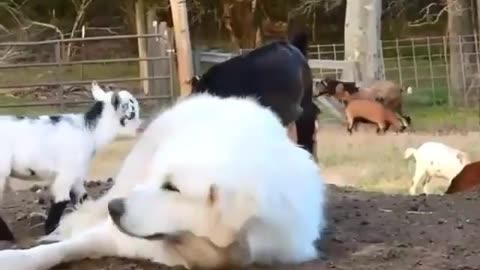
[
  {"x": 178, "y": 203},
  {"x": 125, "y": 105}
]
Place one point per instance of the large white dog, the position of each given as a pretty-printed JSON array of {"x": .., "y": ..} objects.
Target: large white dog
[{"x": 212, "y": 182}]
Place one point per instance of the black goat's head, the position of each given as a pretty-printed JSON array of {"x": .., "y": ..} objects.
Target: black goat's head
[
  {"x": 407, "y": 119},
  {"x": 331, "y": 87},
  {"x": 194, "y": 82}
]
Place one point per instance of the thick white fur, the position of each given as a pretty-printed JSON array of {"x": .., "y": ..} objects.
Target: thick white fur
[
  {"x": 435, "y": 159},
  {"x": 268, "y": 192},
  {"x": 61, "y": 152}
]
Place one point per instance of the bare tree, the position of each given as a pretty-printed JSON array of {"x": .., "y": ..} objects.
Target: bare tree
[
  {"x": 80, "y": 9},
  {"x": 462, "y": 46},
  {"x": 239, "y": 18},
  {"x": 362, "y": 38}
]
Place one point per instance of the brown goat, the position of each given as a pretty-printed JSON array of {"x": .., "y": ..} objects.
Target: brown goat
[
  {"x": 387, "y": 92},
  {"x": 338, "y": 88},
  {"x": 361, "y": 110},
  {"x": 344, "y": 96},
  {"x": 390, "y": 93},
  {"x": 466, "y": 179}
]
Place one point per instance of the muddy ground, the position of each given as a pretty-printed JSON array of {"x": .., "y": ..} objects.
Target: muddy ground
[{"x": 366, "y": 231}]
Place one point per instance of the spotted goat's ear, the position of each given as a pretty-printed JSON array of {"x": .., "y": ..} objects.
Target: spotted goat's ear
[
  {"x": 115, "y": 100},
  {"x": 97, "y": 92}
]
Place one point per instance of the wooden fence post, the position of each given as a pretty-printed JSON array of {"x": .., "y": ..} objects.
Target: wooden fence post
[
  {"x": 157, "y": 47},
  {"x": 142, "y": 46},
  {"x": 182, "y": 44}
]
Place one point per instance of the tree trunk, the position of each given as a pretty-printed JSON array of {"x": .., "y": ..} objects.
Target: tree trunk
[
  {"x": 374, "y": 62},
  {"x": 239, "y": 17},
  {"x": 462, "y": 50},
  {"x": 362, "y": 39}
]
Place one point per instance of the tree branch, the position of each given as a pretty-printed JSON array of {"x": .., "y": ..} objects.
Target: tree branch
[
  {"x": 307, "y": 7},
  {"x": 432, "y": 17},
  {"x": 46, "y": 25}
]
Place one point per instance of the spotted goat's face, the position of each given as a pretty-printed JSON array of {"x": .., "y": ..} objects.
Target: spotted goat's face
[
  {"x": 126, "y": 107},
  {"x": 129, "y": 111}
]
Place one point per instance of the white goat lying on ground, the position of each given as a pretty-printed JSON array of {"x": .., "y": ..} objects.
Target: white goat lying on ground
[
  {"x": 60, "y": 148},
  {"x": 242, "y": 193},
  {"x": 435, "y": 159}
]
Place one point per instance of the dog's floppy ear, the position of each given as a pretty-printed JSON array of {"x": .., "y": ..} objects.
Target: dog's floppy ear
[{"x": 234, "y": 210}]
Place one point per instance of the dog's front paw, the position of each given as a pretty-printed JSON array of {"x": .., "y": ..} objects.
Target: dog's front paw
[{"x": 16, "y": 259}]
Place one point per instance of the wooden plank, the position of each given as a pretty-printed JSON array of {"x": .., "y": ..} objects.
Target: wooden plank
[
  {"x": 332, "y": 105},
  {"x": 329, "y": 64},
  {"x": 182, "y": 44},
  {"x": 157, "y": 47},
  {"x": 214, "y": 57},
  {"x": 142, "y": 46}
]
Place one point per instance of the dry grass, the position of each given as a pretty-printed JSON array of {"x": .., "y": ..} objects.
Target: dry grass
[
  {"x": 108, "y": 161},
  {"x": 364, "y": 160},
  {"x": 375, "y": 163}
]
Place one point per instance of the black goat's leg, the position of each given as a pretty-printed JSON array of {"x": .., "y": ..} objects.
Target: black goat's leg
[
  {"x": 54, "y": 214},
  {"x": 62, "y": 189},
  {"x": 306, "y": 129},
  {"x": 5, "y": 232}
]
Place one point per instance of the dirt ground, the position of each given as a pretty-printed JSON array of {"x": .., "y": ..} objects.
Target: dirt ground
[{"x": 367, "y": 230}]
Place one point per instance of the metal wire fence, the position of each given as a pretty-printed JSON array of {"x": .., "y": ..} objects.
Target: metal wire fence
[{"x": 442, "y": 70}]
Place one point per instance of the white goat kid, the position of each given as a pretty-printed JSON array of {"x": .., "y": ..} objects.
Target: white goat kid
[
  {"x": 60, "y": 148},
  {"x": 435, "y": 159},
  {"x": 243, "y": 193}
]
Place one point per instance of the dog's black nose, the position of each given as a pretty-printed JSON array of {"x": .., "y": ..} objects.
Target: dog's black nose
[{"x": 116, "y": 208}]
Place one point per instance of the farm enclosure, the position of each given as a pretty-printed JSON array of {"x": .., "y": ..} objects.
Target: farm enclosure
[{"x": 421, "y": 62}]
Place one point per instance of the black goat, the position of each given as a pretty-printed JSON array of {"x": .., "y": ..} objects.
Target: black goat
[{"x": 278, "y": 75}]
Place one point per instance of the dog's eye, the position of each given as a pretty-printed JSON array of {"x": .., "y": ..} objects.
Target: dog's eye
[{"x": 170, "y": 187}]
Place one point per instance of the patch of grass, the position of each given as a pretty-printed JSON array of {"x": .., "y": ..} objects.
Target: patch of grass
[
  {"x": 29, "y": 75},
  {"x": 107, "y": 161},
  {"x": 442, "y": 117}
]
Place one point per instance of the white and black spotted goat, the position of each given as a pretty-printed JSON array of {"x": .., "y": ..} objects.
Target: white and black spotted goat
[{"x": 60, "y": 148}]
